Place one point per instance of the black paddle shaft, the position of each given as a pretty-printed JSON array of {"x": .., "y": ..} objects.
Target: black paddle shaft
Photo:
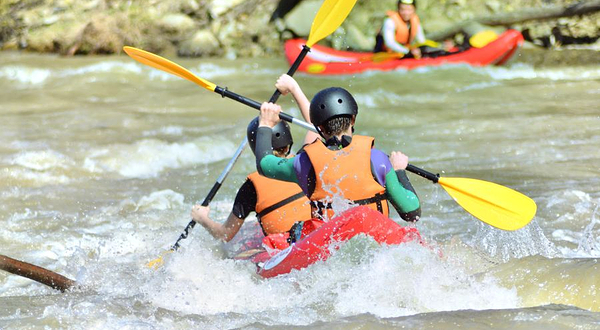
[
  {"x": 292, "y": 70},
  {"x": 213, "y": 191},
  {"x": 211, "y": 194},
  {"x": 224, "y": 92},
  {"x": 427, "y": 175}
]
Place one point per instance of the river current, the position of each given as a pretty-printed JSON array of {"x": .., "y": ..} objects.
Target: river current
[{"x": 101, "y": 159}]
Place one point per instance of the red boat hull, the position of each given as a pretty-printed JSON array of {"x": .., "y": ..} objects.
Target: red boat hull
[
  {"x": 328, "y": 61},
  {"x": 318, "y": 245}
]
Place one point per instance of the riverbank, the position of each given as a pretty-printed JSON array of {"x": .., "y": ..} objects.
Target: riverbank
[{"x": 238, "y": 28}]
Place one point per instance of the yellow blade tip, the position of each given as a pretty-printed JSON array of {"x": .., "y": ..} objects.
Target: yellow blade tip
[{"x": 158, "y": 262}]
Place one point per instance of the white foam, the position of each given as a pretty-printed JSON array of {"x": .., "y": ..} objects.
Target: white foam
[
  {"x": 160, "y": 200},
  {"x": 589, "y": 245},
  {"x": 505, "y": 245},
  {"x": 402, "y": 280},
  {"x": 149, "y": 157},
  {"x": 409, "y": 279},
  {"x": 33, "y": 176},
  {"x": 107, "y": 66},
  {"x": 478, "y": 86},
  {"x": 25, "y": 75},
  {"x": 42, "y": 160},
  {"x": 522, "y": 71},
  {"x": 166, "y": 130},
  {"x": 382, "y": 97},
  {"x": 575, "y": 210}
]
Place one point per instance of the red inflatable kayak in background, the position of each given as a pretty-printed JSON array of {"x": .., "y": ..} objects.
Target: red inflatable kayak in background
[
  {"x": 318, "y": 244},
  {"x": 328, "y": 61}
]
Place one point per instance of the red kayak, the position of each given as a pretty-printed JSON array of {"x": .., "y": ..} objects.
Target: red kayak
[
  {"x": 328, "y": 61},
  {"x": 318, "y": 244}
]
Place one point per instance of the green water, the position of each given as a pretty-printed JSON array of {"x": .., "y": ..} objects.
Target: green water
[{"x": 102, "y": 158}]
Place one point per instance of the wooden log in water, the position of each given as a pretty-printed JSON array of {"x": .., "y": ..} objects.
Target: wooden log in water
[
  {"x": 38, "y": 274},
  {"x": 528, "y": 14}
]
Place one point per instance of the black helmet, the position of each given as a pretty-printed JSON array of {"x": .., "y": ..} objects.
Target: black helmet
[
  {"x": 282, "y": 136},
  {"x": 331, "y": 102}
]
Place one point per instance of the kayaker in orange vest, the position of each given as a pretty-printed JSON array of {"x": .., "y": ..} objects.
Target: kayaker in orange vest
[
  {"x": 278, "y": 204},
  {"x": 401, "y": 29},
  {"x": 341, "y": 166}
]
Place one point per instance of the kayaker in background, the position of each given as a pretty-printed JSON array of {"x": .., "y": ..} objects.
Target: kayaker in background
[
  {"x": 345, "y": 166},
  {"x": 278, "y": 204},
  {"x": 400, "y": 30}
]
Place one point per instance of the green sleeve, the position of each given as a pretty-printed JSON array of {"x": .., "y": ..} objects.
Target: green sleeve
[
  {"x": 404, "y": 200},
  {"x": 282, "y": 169}
]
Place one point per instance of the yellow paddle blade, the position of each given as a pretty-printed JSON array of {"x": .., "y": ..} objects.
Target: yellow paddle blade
[
  {"x": 491, "y": 203},
  {"x": 329, "y": 17},
  {"x": 158, "y": 262},
  {"x": 429, "y": 43},
  {"x": 165, "y": 65},
  {"x": 385, "y": 56},
  {"x": 481, "y": 39},
  {"x": 381, "y": 57}
]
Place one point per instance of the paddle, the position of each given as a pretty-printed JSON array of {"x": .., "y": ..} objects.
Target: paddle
[
  {"x": 211, "y": 194},
  {"x": 385, "y": 56},
  {"x": 329, "y": 17},
  {"x": 496, "y": 205},
  {"x": 163, "y": 64}
]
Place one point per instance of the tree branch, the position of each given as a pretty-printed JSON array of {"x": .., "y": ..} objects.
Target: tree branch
[{"x": 38, "y": 274}]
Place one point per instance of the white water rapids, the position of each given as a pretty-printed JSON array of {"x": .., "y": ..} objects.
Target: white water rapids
[{"x": 102, "y": 158}]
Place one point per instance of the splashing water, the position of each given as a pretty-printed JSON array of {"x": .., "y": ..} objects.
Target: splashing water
[
  {"x": 590, "y": 242},
  {"x": 102, "y": 158}
]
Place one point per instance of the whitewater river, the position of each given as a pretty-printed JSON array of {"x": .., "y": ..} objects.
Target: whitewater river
[{"x": 102, "y": 158}]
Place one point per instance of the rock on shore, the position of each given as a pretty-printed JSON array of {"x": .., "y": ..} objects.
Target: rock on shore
[{"x": 230, "y": 28}]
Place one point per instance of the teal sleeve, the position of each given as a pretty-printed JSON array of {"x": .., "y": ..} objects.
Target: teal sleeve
[
  {"x": 282, "y": 169},
  {"x": 403, "y": 200}
]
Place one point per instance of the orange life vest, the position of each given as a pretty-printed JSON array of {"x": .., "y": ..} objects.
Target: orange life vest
[
  {"x": 403, "y": 35},
  {"x": 279, "y": 204},
  {"x": 345, "y": 173}
]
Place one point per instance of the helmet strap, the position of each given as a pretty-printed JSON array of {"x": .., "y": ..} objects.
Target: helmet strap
[{"x": 320, "y": 132}]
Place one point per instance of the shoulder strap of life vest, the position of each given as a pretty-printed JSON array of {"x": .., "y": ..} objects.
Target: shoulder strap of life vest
[{"x": 279, "y": 204}]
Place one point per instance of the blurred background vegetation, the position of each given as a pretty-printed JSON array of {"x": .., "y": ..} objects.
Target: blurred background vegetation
[{"x": 251, "y": 28}]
